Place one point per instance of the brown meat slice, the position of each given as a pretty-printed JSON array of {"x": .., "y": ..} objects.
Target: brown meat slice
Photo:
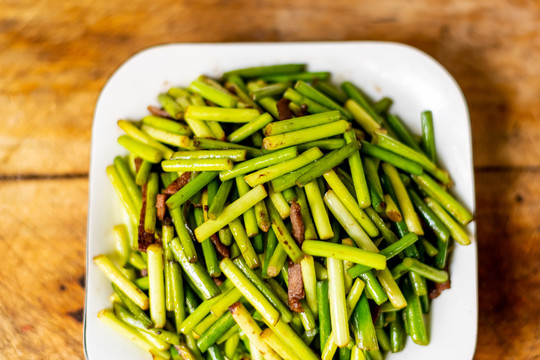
[
  {"x": 296, "y": 287},
  {"x": 283, "y": 109},
  {"x": 138, "y": 163},
  {"x": 298, "y": 229},
  {"x": 438, "y": 289},
  {"x": 160, "y": 205},
  {"x": 178, "y": 184},
  {"x": 221, "y": 249},
  {"x": 145, "y": 239},
  {"x": 154, "y": 110}
]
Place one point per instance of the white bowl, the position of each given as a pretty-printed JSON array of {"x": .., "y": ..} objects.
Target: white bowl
[{"x": 411, "y": 78}]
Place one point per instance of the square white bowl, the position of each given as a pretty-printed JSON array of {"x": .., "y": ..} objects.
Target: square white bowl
[{"x": 411, "y": 78}]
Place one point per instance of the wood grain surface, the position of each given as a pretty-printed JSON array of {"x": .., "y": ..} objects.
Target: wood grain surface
[{"x": 55, "y": 56}]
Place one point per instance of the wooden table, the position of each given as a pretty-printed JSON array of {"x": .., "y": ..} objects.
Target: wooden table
[{"x": 55, "y": 57}]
